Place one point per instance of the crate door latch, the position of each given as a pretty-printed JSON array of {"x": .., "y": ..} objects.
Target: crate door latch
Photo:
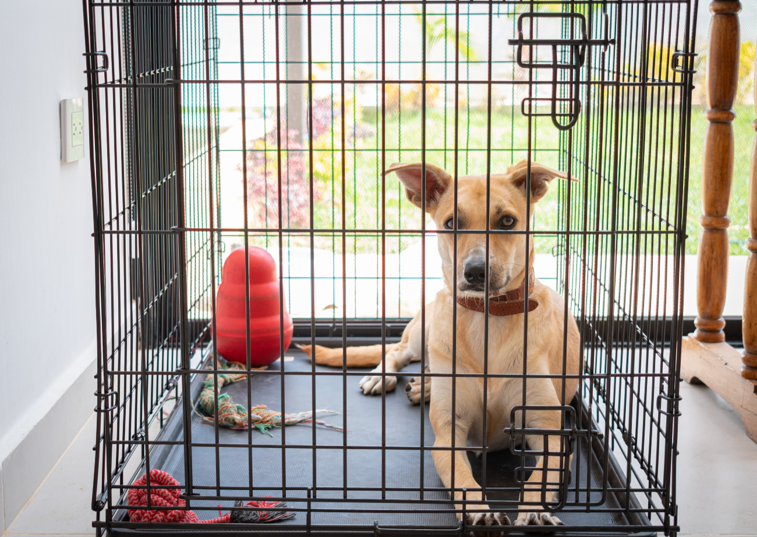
[{"x": 565, "y": 65}]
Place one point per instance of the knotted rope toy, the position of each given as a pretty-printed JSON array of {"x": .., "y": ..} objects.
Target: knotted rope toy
[
  {"x": 169, "y": 497},
  {"x": 235, "y": 416}
]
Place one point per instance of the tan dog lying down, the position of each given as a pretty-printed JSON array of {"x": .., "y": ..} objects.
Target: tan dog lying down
[{"x": 507, "y": 284}]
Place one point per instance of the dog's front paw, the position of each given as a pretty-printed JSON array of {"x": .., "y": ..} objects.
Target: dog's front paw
[
  {"x": 537, "y": 519},
  {"x": 413, "y": 390},
  {"x": 488, "y": 518},
  {"x": 372, "y": 384}
]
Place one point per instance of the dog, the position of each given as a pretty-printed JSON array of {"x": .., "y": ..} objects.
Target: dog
[{"x": 511, "y": 288}]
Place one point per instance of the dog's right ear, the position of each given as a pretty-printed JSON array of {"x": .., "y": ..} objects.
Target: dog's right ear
[
  {"x": 411, "y": 175},
  {"x": 541, "y": 176}
]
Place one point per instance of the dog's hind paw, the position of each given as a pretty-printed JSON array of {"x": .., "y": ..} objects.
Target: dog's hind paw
[
  {"x": 537, "y": 519},
  {"x": 372, "y": 384},
  {"x": 413, "y": 390},
  {"x": 488, "y": 519}
]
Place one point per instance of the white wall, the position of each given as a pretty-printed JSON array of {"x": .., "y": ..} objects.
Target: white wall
[{"x": 47, "y": 319}]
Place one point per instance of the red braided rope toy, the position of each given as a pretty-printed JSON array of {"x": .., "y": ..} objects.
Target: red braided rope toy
[{"x": 169, "y": 497}]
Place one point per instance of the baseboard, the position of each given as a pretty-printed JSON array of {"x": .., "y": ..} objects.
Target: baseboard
[{"x": 29, "y": 452}]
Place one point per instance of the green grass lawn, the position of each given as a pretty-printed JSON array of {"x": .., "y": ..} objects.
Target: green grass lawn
[{"x": 643, "y": 200}]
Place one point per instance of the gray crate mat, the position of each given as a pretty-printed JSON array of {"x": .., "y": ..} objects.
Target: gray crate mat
[{"x": 228, "y": 467}]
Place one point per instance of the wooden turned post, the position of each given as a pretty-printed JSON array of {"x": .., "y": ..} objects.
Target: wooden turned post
[
  {"x": 749, "y": 321},
  {"x": 705, "y": 357},
  {"x": 722, "y": 81}
]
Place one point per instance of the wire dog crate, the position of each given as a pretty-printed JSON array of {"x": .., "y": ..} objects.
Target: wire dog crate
[{"x": 217, "y": 125}]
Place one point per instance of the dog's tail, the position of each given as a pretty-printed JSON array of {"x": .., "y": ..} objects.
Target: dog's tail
[{"x": 355, "y": 356}]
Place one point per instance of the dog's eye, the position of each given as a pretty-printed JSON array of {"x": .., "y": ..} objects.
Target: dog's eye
[
  {"x": 448, "y": 223},
  {"x": 507, "y": 222}
]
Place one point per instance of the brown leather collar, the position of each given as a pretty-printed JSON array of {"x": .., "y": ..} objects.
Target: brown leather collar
[{"x": 511, "y": 303}]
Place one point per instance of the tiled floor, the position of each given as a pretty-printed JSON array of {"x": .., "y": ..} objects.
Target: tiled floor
[
  {"x": 717, "y": 477},
  {"x": 717, "y": 467}
]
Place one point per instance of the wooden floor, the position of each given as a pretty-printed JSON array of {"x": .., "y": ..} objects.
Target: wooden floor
[{"x": 718, "y": 365}]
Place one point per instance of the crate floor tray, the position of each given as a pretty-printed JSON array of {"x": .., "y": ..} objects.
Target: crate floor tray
[{"x": 382, "y": 485}]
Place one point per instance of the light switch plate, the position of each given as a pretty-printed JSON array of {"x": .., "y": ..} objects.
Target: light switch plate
[{"x": 71, "y": 130}]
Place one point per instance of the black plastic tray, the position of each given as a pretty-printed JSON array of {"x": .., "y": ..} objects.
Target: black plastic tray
[{"x": 364, "y": 466}]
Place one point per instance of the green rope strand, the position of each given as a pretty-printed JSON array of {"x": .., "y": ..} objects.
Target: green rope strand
[{"x": 235, "y": 416}]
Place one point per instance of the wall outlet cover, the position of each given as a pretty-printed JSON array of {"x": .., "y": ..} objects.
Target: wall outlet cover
[{"x": 71, "y": 130}]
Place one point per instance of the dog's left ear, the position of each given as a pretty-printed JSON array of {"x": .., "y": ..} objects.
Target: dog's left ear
[
  {"x": 411, "y": 175},
  {"x": 540, "y": 177}
]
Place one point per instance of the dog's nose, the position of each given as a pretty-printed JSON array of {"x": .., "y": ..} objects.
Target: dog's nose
[{"x": 475, "y": 271}]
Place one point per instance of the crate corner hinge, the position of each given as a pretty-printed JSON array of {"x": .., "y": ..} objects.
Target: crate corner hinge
[{"x": 95, "y": 68}]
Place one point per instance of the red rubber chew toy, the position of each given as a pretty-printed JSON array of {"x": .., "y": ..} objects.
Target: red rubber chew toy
[{"x": 265, "y": 321}]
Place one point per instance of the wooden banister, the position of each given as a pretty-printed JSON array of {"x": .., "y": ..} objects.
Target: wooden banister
[
  {"x": 706, "y": 357},
  {"x": 722, "y": 82},
  {"x": 749, "y": 321}
]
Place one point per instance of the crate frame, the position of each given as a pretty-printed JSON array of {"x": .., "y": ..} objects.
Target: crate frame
[{"x": 161, "y": 235}]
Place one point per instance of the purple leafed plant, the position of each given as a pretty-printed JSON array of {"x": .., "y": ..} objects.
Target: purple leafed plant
[
  {"x": 263, "y": 181},
  {"x": 263, "y": 169}
]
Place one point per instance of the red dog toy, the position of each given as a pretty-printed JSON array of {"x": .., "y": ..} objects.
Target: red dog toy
[
  {"x": 265, "y": 320},
  {"x": 163, "y": 496}
]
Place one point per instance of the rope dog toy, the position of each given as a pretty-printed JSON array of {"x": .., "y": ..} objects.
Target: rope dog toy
[
  {"x": 235, "y": 416},
  {"x": 169, "y": 497}
]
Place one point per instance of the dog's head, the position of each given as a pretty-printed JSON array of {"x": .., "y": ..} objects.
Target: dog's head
[{"x": 507, "y": 211}]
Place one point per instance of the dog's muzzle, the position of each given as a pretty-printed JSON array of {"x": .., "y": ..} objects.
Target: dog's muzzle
[{"x": 510, "y": 303}]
